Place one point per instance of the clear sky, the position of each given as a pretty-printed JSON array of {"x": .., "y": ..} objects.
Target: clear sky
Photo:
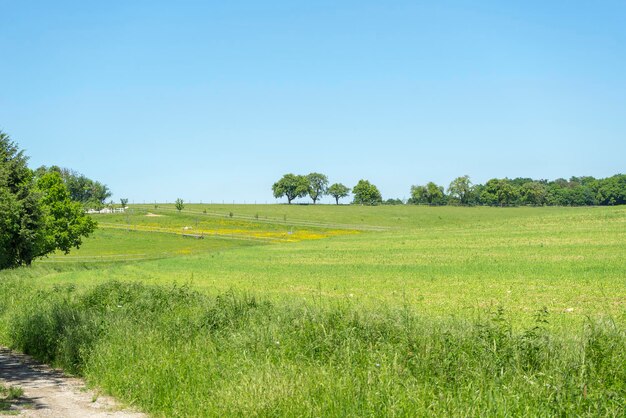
[{"x": 215, "y": 100}]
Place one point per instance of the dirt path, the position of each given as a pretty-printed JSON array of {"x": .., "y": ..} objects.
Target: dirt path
[{"x": 48, "y": 393}]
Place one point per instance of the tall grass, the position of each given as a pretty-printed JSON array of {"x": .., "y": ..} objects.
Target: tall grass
[{"x": 176, "y": 352}]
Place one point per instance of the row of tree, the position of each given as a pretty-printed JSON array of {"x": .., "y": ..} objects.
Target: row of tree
[
  {"x": 37, "y": 213},
  {"x": 92, "y": 194},
  {"x": 577, "y": 191},
  {"x": 315, "y": 185}
]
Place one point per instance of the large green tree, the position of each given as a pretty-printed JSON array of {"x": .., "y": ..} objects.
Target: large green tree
[
  {"x": 418, "y": 195},
  {"x": 365, "y": 193},
  {"x": 499, "y": 192},
  {"x": 318, "y": 185},
  {"x": 434, "y": 194},
  {"x": 533, "y": 193},
  {"x": 431, "y": 194},
  {"x": 65, "y": 223},
  {"x": 338, "y": 191},
  {"x": 21, "y": 218},
  {"x": 291, "y": 186},
  {"x": 36, "y": 213},
  {"x": 461, "y": 189},
  {"x": 611, "y": 190}
]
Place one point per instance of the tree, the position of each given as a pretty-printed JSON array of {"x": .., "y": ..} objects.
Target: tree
[
  {"x": 418, "y": 195},
  {"x": 99, "y": 194},
  {"x": 291, "y": 186},
  {"x": 431, "y": 194},
  {"x": 365, "y": 193},
  {"x": 36, "y": 215},
  {"x": 499, "y": 192},
  {"x": 21, "y": 219},
  {"x": 393, "y": 202},
  {"x": 434, "y": 194},
  {"x": 180, "y": 204},
  {"x": 318, "y": 185},
  {"x": 461, "y": 188},
  {"x": 123, "y": 202},
  {"x": 65, "y": 222},
  {"x": 612, "y": 190},
  {"x": 338, "y": 191},
  {"x": 533, "y": 193},
  {"x": 476, "y": 196},
  {"x": 92, "y": 194}
]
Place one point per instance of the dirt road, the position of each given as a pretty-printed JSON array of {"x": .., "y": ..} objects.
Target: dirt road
[{"x": 48, "y": 393}]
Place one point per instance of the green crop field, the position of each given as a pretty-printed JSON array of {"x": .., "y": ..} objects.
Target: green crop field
[{"x": 325, "y": 310}]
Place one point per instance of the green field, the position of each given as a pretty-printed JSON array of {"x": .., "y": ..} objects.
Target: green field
[
  {"x": 443, "y": 261},
  {"x": 338, "y": 310}
]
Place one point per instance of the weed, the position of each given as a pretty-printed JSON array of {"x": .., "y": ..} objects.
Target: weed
[{"x": 8, "y": 396}]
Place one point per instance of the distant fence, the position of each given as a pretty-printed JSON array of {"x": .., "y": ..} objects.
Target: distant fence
[
  {"x": 107, "y": 210},
  {"x": 195, "y": 236}
]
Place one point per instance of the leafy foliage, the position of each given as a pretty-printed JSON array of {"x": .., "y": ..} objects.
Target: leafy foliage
[
  {"x": 431, "y": 194},
  {"x": 533, "y": 193},
  {"x": 612, "y": 190},
  {"x": 21, "y": 217},
  {"x": 37, "y": 215},
  {"x": 338, "y": 191},
  {"x": 577, "y": 191},
  {"x": 393, "y": 202},
  {"x": 499, "y": 192},
  {"x": 461, "y": 189},
  {"x": 318, "y": 185},
  {"x": 92, "y": 194},
  {"x": 365, "y": 193},
  {"x": 291, "y": 186},
  {"x": 179, "y": 204},
  {"x": 65, "y": 223}
]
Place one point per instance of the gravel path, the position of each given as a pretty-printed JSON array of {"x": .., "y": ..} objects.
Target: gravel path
[{"x": 49, "y": 393}]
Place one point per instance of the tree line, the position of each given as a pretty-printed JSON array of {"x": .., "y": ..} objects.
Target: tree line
[
  {"x": 315, "y": 185},
  {"x": 39, "y": 212},
  {"x": 90, "y": 193},
  {"x": 577, "y": 191}
]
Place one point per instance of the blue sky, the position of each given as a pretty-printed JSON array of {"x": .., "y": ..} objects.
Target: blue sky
[{"x": 214, "y": 101}]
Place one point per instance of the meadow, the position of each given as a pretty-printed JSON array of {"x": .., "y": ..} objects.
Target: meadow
[{"x": 337, "y": 310}]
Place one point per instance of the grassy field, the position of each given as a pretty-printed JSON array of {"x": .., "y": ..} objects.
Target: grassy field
[
  {"x": 442, "y": 261},
  {"x": 337, "y": 310}
]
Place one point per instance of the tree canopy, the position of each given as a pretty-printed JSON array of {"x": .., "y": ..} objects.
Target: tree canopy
[
  {"x": 338, "y": 191},
  {"x": 37, "y": 215},
  {"x": 318, "y": 185},
  {"x": 291, "y": 186},
  {"x": 92, "y": 194},
  {"x": 21, "y": 217},
  {"x": 461, "y": 188},
  {"x": 577, "y": 191},
  {"x": 430, "y": 194},
  {"x": 365, "y": 193},
  {"x": 65, "y": 223},
  {"x": 499, "y": 192}
]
